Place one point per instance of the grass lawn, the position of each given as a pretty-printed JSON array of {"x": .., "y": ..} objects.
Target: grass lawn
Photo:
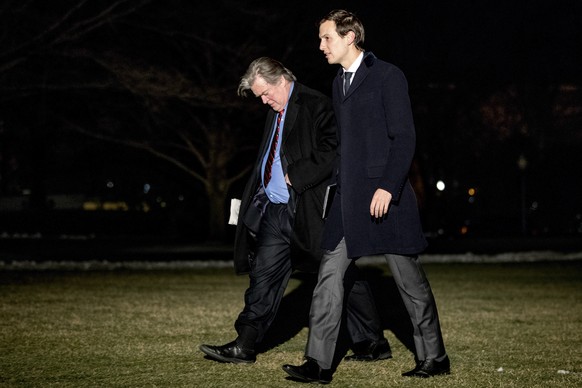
[{"x": 505, "y": 325}]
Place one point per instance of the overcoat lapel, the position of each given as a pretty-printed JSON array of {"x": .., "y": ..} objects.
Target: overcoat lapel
[
  {"x": 289, "y": 125},
  {"x": 291, "y": 115},
  {"x": 359, "y": 77},
  {"x": 338, "y": 84},
  {"x": 357, "y": 80}
]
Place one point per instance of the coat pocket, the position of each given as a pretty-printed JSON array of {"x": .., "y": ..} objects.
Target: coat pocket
[{"x": 375, "y": 171}]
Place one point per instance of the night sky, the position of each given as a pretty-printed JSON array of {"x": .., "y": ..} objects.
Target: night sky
[{"x": 475, "y": 39}]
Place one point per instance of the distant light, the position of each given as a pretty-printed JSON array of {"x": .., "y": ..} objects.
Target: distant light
[
  {"x": 464, "y": 229},
  {"x": 115, "y": 206},
  {"x": 146, "y": 188},
  {"x": 180, "y": 197},
  {"x": 522, "y": 162},
  {"x": 471, "y": 200},
  {"x": 110, "y": 184},
  {"x": 91, "y": 205},
  {"x": 440, "y": 185},
  {"x": 145, "y": 207},
  {"x": 535, "y": 205},
  {"x": 472, "y": 191}
]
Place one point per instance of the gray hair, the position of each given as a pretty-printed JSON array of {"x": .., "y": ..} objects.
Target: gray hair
[{"x": 267, "y": 68}]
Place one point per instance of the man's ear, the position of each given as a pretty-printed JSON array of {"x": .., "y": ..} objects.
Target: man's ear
[{"x": 351, "y": 36}]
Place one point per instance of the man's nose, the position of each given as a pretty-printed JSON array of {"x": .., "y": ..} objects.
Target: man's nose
[{"x": 264, "y": 99}]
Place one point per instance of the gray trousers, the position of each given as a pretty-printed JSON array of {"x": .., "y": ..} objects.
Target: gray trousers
[{"x": 325, "y": 316}]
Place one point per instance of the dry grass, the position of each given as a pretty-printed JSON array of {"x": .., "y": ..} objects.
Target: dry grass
[{"x": 143, "y": 328}]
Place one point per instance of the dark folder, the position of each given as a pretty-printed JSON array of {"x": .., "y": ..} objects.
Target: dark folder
[{"x": 328, "y": 199}]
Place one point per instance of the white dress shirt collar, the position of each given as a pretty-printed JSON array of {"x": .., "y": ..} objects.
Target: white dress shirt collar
[{"x": 354, "y": 67}]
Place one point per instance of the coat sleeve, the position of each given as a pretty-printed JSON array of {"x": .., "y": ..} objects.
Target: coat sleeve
[
  {"x": 316, "y": 165},
  {"x": 401, "y": 132}
]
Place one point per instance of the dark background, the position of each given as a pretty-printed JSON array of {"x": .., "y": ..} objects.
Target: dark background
[{"x": 120, "y": 120}]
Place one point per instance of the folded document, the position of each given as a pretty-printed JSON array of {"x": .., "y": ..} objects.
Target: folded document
[{"x": 234, "y": 210}]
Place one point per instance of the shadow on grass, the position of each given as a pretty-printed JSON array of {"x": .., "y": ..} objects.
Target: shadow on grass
[{"x": 293, "y": 314}]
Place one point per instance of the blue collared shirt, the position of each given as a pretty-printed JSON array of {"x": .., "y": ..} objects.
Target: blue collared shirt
[{"x": 277, "y": 190}]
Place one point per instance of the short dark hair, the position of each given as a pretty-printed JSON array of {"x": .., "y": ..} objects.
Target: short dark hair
[
  {"x": 270, "y": 69},
  {"x": 345, "y": 22}
]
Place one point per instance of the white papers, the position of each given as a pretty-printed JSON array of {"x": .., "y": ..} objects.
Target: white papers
[{"x": 234, "y": 209}]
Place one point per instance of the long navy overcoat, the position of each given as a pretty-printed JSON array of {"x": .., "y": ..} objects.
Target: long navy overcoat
[{"x": 376, "y": 147}]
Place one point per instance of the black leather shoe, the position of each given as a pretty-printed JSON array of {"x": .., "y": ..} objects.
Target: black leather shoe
[
  {"x": 230, "y": 352},
  {"x": 413, "y": 371},
  {"x": 309, "y": 372},
  {"x": 370, "y": 351},
  {"x": 430, "y": 368}
]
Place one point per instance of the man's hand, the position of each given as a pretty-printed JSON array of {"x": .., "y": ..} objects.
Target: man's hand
[
  {"x": 380, "y": 203},
  {"x": 287, "y": 180}
]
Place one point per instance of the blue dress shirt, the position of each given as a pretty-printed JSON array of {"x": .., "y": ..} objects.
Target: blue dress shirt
[{"x": 277, "y": 190}]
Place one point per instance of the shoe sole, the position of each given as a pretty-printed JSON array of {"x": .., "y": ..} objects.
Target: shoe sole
[
  {"x": 298, "y": 376},
  {"x": 424, "y": 375},
  {"x": 218, "y": 357},
  {"x": 383, "y": 356}
]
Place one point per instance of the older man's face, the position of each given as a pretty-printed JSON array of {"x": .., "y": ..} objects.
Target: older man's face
[{"x": 275, "y": 96}]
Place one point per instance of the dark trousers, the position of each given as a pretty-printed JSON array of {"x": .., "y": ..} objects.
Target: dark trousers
[
  {"x": 270, "y": 270},
  {"x": 269, "y": 275},
  {"x": 362, "y": 317}
]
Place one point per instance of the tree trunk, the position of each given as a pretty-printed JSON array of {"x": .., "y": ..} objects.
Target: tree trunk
[{"x": 216, "y": 215}]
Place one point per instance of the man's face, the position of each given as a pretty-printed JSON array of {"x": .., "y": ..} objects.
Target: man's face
[
  {"x": 333, "y": 46},
  {"x": 274, "y": 95}
]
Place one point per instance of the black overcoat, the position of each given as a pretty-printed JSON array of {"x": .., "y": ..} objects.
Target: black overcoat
[
  {"x": 377, "y": 141},
  {"x": 307, "y": 153}
]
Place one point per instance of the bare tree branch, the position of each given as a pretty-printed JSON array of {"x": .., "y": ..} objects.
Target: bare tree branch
[
  {"x": 156, "y": 82},
  {"x": 58, "y": 32},
  {"x": 106, "y": 16},
  {"x": 139, "y": 145},
  {"x": 190, "y": 146},
  {"x": 19, "y": 52},
  {"x": 240, "y": 175}
]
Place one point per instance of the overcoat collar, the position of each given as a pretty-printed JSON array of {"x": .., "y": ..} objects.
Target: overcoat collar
[
  {"x": 292, "y": 111},
  {"x": 359, "y": 77}
]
